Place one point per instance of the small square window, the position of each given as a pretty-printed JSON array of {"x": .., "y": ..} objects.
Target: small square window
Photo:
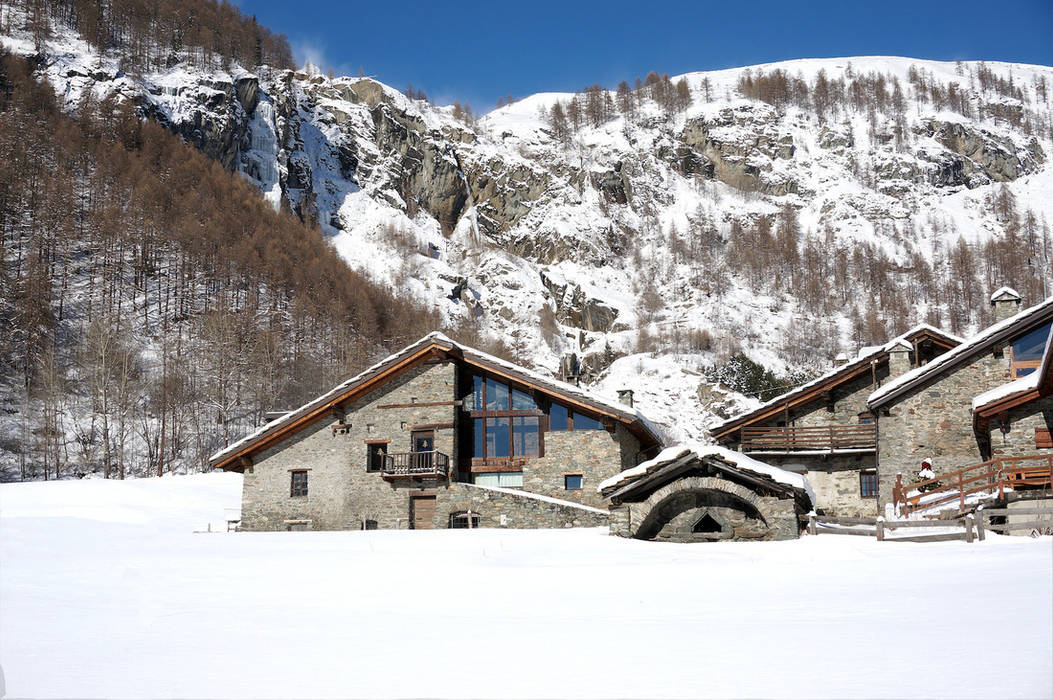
[
  {"x": 298, "y": 484},
  {"x": 573, "y": 482},
  {"x": 868, "y": 487}
]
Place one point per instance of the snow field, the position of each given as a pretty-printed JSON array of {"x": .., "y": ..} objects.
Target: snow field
[{"x": 105, "y": 591}]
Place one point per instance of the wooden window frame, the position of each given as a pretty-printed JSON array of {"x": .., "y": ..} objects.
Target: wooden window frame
[
  {"x": 868, "y": 474},
  {"x": 1015, "y": 365},
  {"x": 293, "y": 490},
  {"x": 370, "y": 446}
]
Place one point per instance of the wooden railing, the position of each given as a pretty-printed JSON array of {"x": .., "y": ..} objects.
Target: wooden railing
[
  {"x": 794, "y": 438},
  {"x": 884, "y": 530},
  {"x": 993, "y": 475},
  {"x": 416, "y": 464}
]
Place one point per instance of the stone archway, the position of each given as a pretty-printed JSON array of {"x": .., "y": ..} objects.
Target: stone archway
[{"x": 701, "y": 509}]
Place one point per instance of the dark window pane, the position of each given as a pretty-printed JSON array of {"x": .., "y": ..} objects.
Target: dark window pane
[
  {"x": 477, "y": 393},
  {"x": 480, "y": 438},
  {"x": 524, "y": 437},
  {"x": 497, "y": 442},
  {"x": 585, "y": 423},
  {"x": 375, "y": 459},
  {"x": 496, "y": 396},
  {"x": 522, "y": 401},
  {"x": 572, "y": 481},
  {"x": 1029, "y": 348},
  {"x": 868, "y": 485},
  {"x": 557, "y": 417},
  {"x": 298, "y": 485}
]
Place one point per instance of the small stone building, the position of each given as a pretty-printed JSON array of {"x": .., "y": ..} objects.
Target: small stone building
[
  {"x": 706, "y": 494},
  {"x": 825, "y": 430},
  {"x": 438, "y": 435}
]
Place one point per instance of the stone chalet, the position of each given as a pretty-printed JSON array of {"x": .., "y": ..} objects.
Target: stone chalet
[
  {"x": 824, "y": 428},
  {"x": 964, "y": 404},
  {"x": 439, "y": 435},
  {"x": 986, "y": 399}
]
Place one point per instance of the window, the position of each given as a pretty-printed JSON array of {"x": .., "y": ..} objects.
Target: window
[
  {"x": 463, "y": 521},
  {"x": 868, "y": 484},
  {"x": 298, "y": 484},
  {"x": 585, "y": 423},
  {"x": 558, "y": 418},
  {"x": 1027, "y": 351},
  {"x": 503, "y": 479},
  {"x": 375, "y": 453},
  {"x": 369, "y": 524},
  {"x": 866, "y": 419},
  {"x": 573, "y": 482}
]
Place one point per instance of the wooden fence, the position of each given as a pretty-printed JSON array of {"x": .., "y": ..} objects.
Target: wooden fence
[
  {"x": 993, "y": 475},
  {"x": 879, "y": 528},
  {"x": 984, "y": 515}
]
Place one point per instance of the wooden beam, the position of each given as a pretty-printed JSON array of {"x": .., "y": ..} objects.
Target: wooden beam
[{"x": 420, "y": 404}]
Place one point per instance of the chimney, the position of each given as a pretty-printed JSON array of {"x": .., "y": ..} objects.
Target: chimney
[
  {"x": 899, "y": 358},
  {"x": 569, "y": 369},
  {"x": 841, "y": 359},
  {"x": 626, "y": 397},
  {"x": 1006, "y": 302}
]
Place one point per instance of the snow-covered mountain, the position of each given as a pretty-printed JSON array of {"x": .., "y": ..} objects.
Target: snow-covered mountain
[{"x": 614, "y": 242}]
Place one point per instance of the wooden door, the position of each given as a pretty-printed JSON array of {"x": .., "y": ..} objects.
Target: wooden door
[
  {"x": 422, "y": 509},
  {"x": 423, "y": 442}
]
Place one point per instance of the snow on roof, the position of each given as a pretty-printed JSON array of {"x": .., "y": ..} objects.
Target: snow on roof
[
  {"x": 864, "y": 353},
  {"x": 691, "y": 450},
  {"x": 1017, "y": 386},
  {"x": 1006, "y": 293},
  {"x": 538, "y": 497},
  {"x": 962, "y": 350},
  {"x": 436, "y": 337}
]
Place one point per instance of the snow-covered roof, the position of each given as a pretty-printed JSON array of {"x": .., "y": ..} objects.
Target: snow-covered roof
[
  {"x": 1023, "y": 385},
  {"x": 1007, "y": 293},
  {"x": 977, "y": 343},
  {"x": 472, "y": 355},
  {"x": 866, "y": 353},
  {"x": 683, "y": 453}
]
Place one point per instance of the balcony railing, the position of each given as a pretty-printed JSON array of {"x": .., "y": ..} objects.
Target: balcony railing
[
  {"x": 416, "y": 465},
  {"x": 825, "y": 438}
]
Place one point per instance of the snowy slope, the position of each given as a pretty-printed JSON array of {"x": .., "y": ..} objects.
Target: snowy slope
[
  {"x": 107, "y": 592},
  {"x": 500, "y": 225}
]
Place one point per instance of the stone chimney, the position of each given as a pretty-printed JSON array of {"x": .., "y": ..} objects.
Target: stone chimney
[
  {"x": 626, "y": 397},
  {"x": 899, "y": 358},
  {"x": 841, "y": 359},
  {"x": 1006, "y": 302}
]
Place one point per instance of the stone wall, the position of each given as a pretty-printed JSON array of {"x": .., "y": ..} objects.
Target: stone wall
[
  {"x": 835, "y": 481},
  {"x": 597, "y": 454},
  {"x": 519, "y": 510},
  {"x": 341, "y": 493},
  {"x": 935, "y": 421}
]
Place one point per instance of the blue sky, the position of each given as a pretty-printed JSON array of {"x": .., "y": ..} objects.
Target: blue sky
[{"x": 479, "y": 51}]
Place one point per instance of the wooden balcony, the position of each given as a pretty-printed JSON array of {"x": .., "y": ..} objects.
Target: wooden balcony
[
  {"x": 815, "y": 439},
  {"x": 416, "y": 465}
]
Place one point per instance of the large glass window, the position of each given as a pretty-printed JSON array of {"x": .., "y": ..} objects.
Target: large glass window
[
  {"x": 521, "y": 401},
  {"x": 496, "y": 396},
  {"x": 585, "y": 423},
  {"x": 558, "y": 417},
  {"x": 497, "y": 437},
  {"x": 503, "y": 479},
  {"x": 1027, "y": 351},
  {"x": 525, "y": 437}
]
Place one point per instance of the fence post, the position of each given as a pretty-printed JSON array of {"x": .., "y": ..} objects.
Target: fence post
[
  {"x": 969, "y": 527},
  {"x": 880, "y": 529},
  {"x": 897, "y": 492},
  {"x": 813, "y": 528},
  {"x": 980, "y": 523},
  {"x": 1001, "y": 482},
  {"x": 961, "y": 492}
]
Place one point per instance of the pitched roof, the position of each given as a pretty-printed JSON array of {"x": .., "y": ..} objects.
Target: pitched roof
[
  {"x": 679, "y": 455},
  {"x": 428, "y": 346},
  {"x": 980, "y": 343},
  {"x": 834, "y": 377}
]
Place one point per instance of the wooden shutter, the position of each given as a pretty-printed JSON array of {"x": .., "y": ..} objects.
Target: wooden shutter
[{"x": 1042, "y": 438}]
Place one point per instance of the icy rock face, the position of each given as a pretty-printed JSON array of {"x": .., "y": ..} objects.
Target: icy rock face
[{"x": 502, "y": 223}]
